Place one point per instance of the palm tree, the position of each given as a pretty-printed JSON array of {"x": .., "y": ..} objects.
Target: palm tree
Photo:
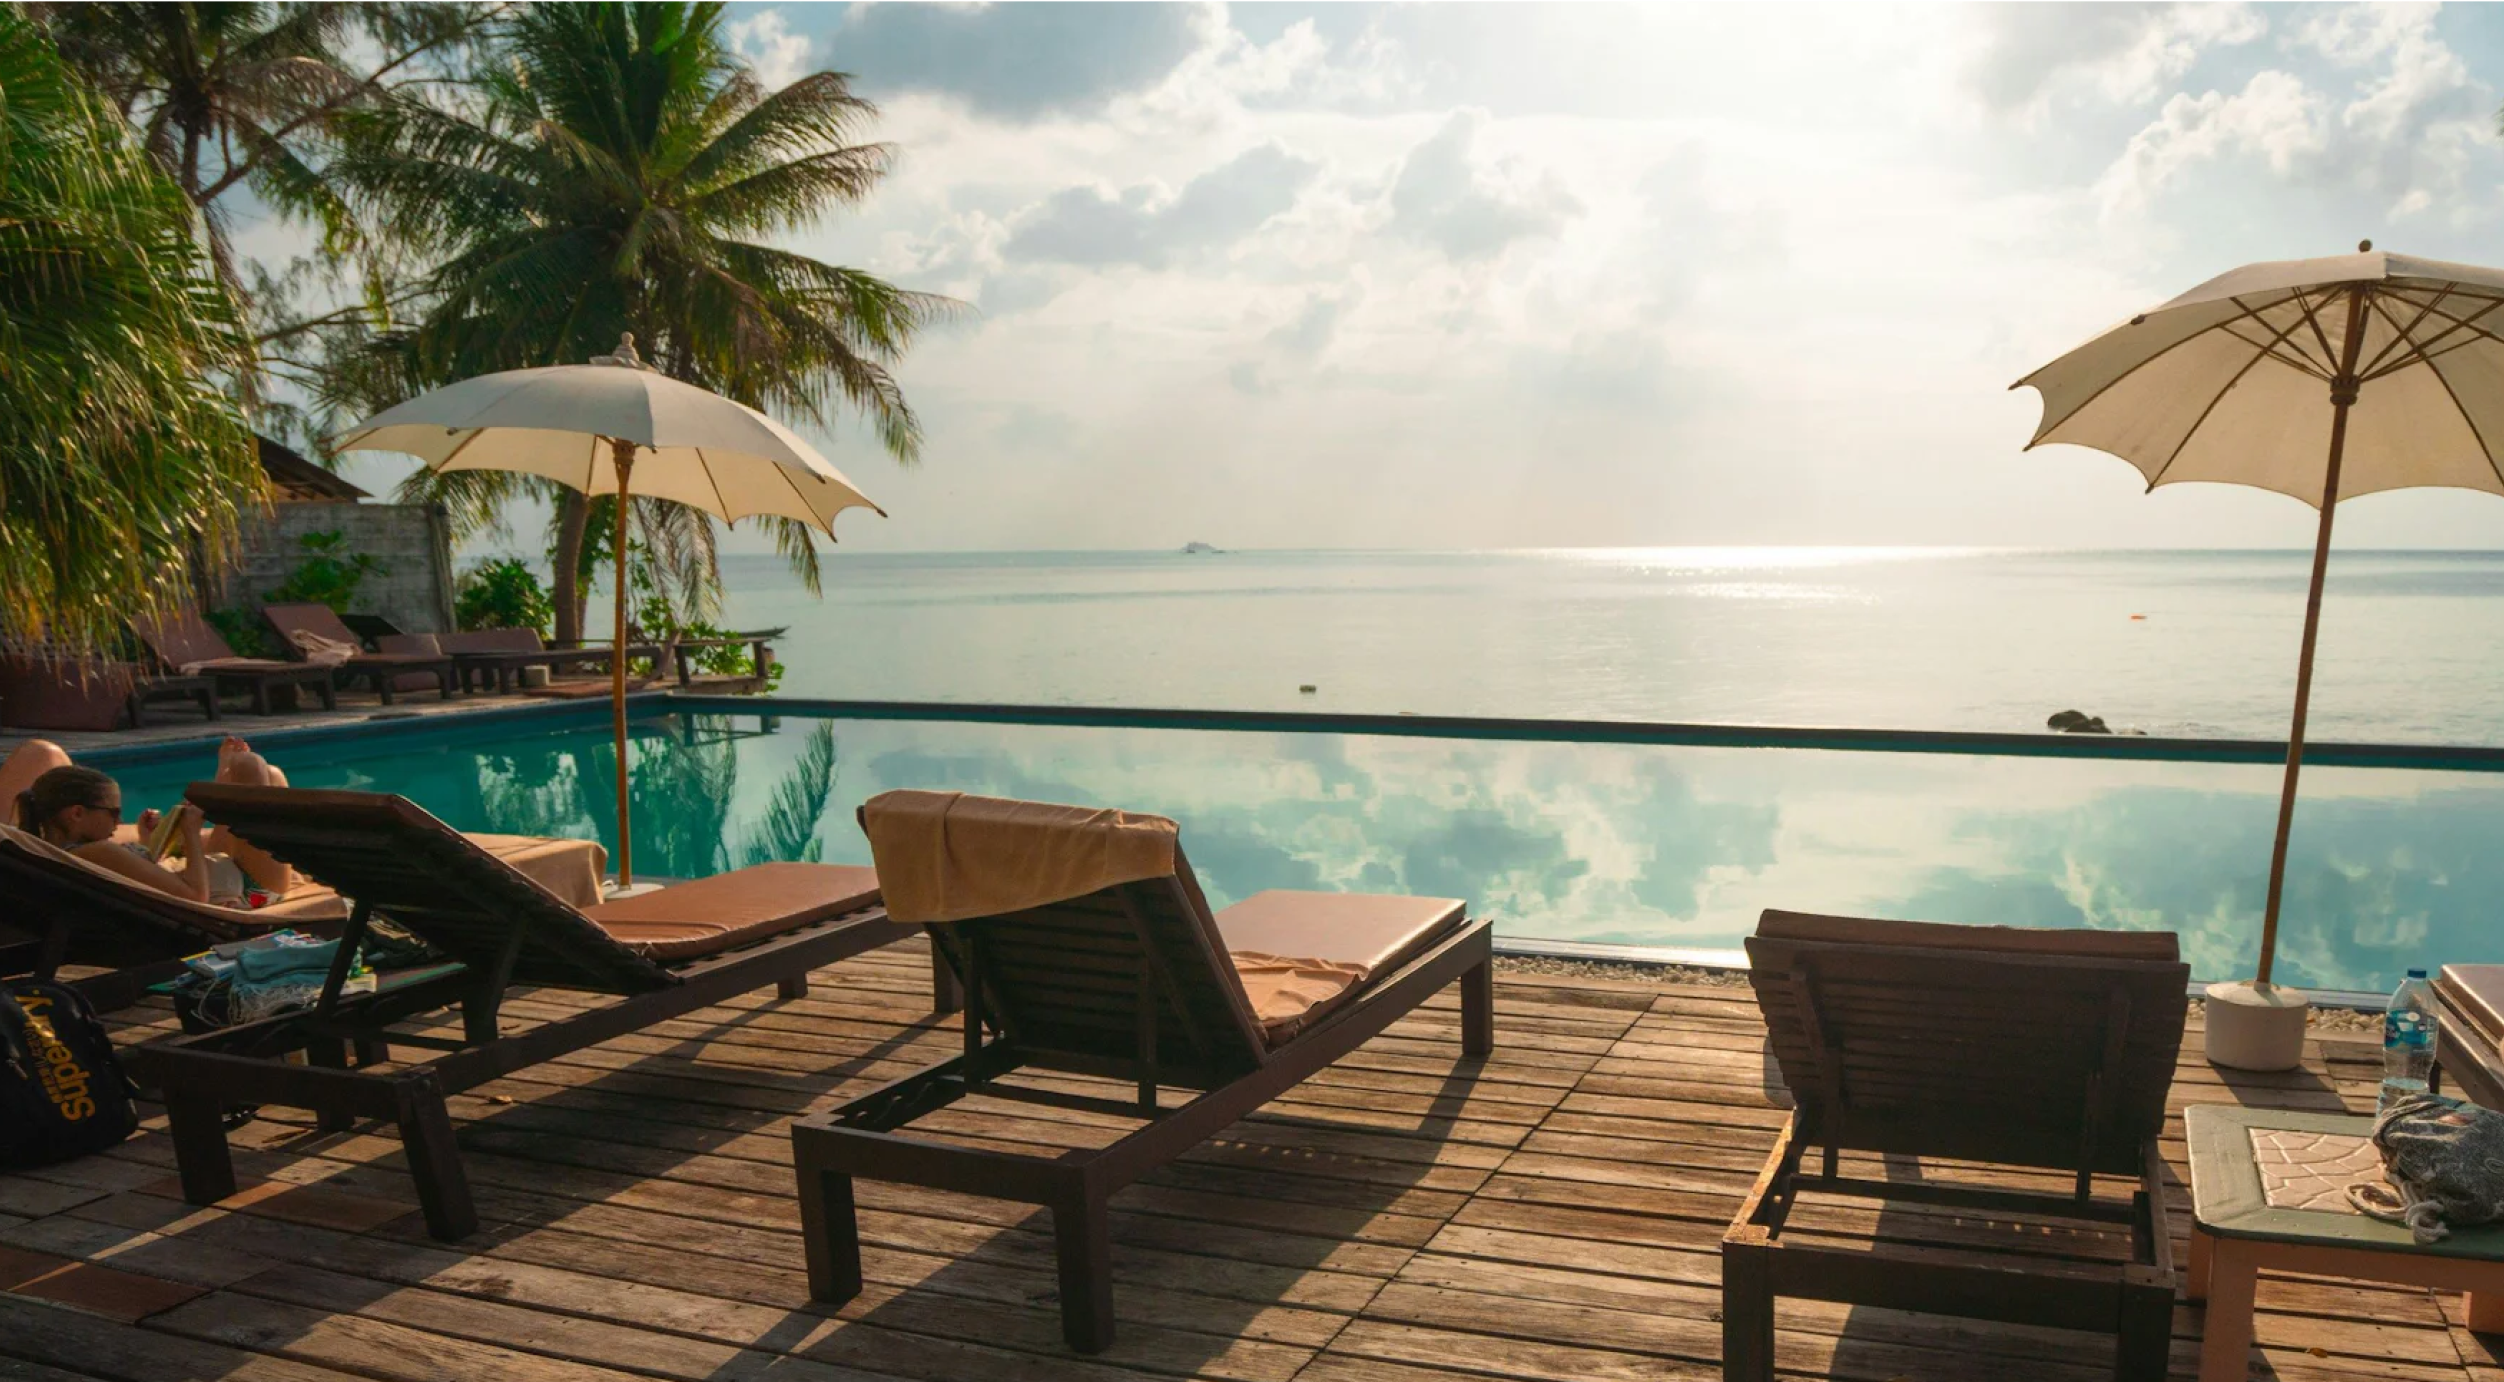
[
  {"x": 120, "y": 459},
  {"x": 618, "y": 168},
  {"x": 246, "y": 95}
]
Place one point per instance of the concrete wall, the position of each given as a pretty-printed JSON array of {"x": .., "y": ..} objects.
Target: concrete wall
[{"x": 413, "y": 543}]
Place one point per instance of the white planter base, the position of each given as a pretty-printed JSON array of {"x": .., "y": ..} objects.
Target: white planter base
[{"x": 2256, "y": 1027}]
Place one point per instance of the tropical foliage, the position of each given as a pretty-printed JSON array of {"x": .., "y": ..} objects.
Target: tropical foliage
[
  {"x": 228, "y": 96},
  {"x": 502, "y": 593},
  {"x": 123, "y": 457},
  {"x": 620, "y": 169}
]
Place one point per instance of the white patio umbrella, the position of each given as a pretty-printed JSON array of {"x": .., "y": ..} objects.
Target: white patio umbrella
[
  {"x": 2322, "y": 379},
  {"x": 599, "y": 428}
]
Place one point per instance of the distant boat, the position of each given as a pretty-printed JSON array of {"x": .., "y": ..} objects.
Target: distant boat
[{"x": 1200, "y": 549}]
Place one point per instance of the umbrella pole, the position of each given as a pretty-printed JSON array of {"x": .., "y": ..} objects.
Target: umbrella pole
[
  {"x": 2342, "y": 396},
  {"x": 623, "y": 453}
]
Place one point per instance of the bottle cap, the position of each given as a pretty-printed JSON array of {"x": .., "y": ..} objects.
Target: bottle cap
[{"x": 2417, "y": 974}]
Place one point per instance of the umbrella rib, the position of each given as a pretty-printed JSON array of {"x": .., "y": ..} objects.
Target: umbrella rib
[
  {"x": 2371, "y": 368},
  {"x": 2467, "y": 325},
  {"x": 811, "y": 509},
  {"x": 475, "y": 434},
  {"x": 2271, "y": 348},
  {"x": 2484, "y": 447},
  {"x": 715, "y": 481},
  {"x": 2263, "y": 353},
  {"x": 2107, "y": 387},
  {"x": 2312, "y": 318}
]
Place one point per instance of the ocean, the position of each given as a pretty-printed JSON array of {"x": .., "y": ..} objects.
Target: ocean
[{"x": 2193, "y": 643}]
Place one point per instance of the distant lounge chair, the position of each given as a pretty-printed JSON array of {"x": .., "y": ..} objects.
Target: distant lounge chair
[
  {"x": 663, "y": 954},
  {"x": 2041, "y": 1049},
  {"x": 189, "y": 645},
  {"x": 496, "y": 655},
  {"x": 382, "y": 671},
  {"x": 1081, "y": 939}
]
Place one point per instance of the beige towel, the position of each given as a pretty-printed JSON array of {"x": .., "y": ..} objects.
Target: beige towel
[
  {"x": 320, "y": 651},
  {"x": 946, "y": 856}
]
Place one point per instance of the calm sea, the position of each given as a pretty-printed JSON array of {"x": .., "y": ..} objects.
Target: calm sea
[{"x": 2412, "y": 643}]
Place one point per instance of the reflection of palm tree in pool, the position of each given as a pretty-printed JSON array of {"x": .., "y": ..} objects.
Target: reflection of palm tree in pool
[{"x": 685, "y": 782}]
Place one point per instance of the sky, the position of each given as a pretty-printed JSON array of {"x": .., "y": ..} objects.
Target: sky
[{"x": 1284, "y": 275}]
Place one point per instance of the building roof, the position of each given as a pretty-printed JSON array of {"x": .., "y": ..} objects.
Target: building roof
[{"x": 295, "y": 480}]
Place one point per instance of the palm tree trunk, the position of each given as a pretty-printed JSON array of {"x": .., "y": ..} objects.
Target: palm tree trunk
[{"x": 573, "y": 514}]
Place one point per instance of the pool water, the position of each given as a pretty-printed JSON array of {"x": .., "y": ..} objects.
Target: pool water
[{"x": 1634, "y": 844}]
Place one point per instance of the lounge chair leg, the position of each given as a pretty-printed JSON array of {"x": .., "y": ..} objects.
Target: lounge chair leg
[
  {"x": 329, "y": 1053},
  {"x": 796, "y": 986},
  {"x": 1082, "y": 1241},
  {"x": 831, "y": 1232},
  {"x": 383, "y": 687},
  {"x": 443, "y": 1190},
  {"x": 946, "y": 994},
  {"x": 1478, "y": 1011},
  {"x": 200, "y": 1153},
  {"x": 1747, "y": 1316},
  {"x": 329, "y": 693},
  {"x": 2144, "y": 1348}
]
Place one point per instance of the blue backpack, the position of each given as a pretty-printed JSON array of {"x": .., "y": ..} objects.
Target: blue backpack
[{"x": 62, "y": 1094}]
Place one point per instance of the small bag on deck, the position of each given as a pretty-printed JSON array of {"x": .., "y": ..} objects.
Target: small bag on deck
[
  {"x": 2444, "y": 1159},
  {"x": 62, "y": 1093}
]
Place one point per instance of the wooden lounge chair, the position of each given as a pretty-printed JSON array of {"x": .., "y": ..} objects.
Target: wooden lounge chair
[
  {"x": 2050, "y": 1050},
  {"x": 187, "y": 644},
  {"x": 493, "y": 656},
  {"x": 77, "y": 913},
  {"x": 2469, "y": 1024},
  {"x": 382, "y": 671},
  {"x": 663, "y": 954},
  {"x": 1118, "y": 970},
  {"x": 81, "y": 914}
]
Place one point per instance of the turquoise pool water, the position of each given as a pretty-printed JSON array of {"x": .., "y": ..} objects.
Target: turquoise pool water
[{"x": 1637, "y": 844}]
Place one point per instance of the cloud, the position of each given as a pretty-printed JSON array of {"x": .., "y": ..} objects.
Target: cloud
[
  {"x": 1086, "y": 225},
  {"x": 2275, "y": 117},
  {"x": 2406, "y": 131},
  {"x": 1446, "y": 197},
  {"x": 1020, "y": 62},
  {"x": 765, "y": 39},
  {"x": 2031, "y": 55}
]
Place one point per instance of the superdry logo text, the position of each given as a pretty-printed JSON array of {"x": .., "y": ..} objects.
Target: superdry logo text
[{"x": 64, "y": 1079}]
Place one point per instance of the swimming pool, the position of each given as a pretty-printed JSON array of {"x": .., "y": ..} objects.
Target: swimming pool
[{"x": 1617, "y": 843}]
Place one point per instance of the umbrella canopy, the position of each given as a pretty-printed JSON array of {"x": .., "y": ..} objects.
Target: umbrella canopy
[
  {"x": 615, "y": 427},
  {"x": 692, "y": 446},
  {"x": 2231, "y": 382},
  {"x": 2321, "y": 379}
]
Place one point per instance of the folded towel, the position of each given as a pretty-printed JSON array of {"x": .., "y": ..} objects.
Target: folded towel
[{"x": 320, "y": 651}]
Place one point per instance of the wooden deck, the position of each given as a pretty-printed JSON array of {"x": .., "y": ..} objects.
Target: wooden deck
[{"x": 1552, "y": 1216}]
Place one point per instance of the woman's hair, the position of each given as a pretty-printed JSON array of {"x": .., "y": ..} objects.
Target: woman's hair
[{"x": 59, "y": 790}]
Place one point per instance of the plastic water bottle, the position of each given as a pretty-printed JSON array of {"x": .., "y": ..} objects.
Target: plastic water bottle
[{"x": 2407, "y": 1040}]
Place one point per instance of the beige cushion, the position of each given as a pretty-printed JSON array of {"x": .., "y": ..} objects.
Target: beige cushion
[
  {"x": 687, "y": 921},
  {"x": 1301, "y": 955},
  {"x": 946, "y": 856}
]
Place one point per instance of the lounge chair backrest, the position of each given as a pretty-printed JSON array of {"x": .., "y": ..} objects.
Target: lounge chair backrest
[
  {"x": 181, "y": 637},
  {"x": 42, "y": 881},
  {"x": 1063, "y": 979},
  {"x": 491, "y": 641},
  {"x": 387, "y": 852},
  {"x": 2018, "y": 1047},
  {"x": 310, "y": 618}
]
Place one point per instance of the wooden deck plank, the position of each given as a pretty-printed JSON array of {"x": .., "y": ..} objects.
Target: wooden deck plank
[{"x": 1552, "y": 1214}]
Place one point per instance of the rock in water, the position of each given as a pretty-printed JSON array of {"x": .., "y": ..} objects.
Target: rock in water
[{"x": 2077, "y": 722}]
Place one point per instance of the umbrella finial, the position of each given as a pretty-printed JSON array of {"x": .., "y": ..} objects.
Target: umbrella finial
[
  {"x": 2364, "y": 246},
  {"x": 624, "y": 355}
]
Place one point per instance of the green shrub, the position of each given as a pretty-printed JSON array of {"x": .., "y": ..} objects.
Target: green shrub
[
  {"x": 329, "y": 574},
  {"x": 245, "y": 631},
  {"x": 503, "y": 593}
]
